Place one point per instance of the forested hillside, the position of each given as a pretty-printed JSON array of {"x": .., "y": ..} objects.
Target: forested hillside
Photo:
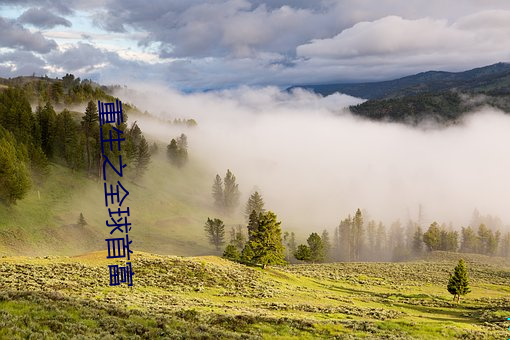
[{"x": 435, "y": 96}]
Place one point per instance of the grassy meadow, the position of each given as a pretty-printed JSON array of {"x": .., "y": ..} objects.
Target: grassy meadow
[{"x": 212, "y": 298}]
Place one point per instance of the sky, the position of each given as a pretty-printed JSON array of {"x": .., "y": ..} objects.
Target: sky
[{"x": 194, "y": 45}]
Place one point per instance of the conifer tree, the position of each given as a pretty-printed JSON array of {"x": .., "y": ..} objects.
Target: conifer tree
[
  {"x": 432, "y": 237},
  {"x": 89, "y": 123},
  {"x": 217, "y": 192},
  {"x": 14, "y": 175},
  {"x": 255, "y": 203},
  {"x": 357, "y": 234},
  {"x": 418, "y": 241},
  {"x": 231, "y": 192},
  {"x": 326, "y": 243},
  {"x": 266, "y": 241},
  {"x": 303, "y": 253},
  {"x": 81, "y": 220},
  {"x": 316, "y": 247},
  {"x": 142, "y": 157},
  {"x": 231, "y": 253},
  {"x": 215, "y": 231},
  {"x": 458, "y": 284},
  {"x": 247, "y": 254}
]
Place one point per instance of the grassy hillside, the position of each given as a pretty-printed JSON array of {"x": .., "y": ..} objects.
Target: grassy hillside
[
  {"x": 207, "y": 297},
  {"x": 168, "y": 209}
]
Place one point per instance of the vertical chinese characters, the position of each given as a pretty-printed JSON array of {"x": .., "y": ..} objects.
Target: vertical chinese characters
[{"x": 110, "y": 117}]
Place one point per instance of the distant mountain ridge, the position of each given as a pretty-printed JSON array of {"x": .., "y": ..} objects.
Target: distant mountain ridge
[{"x": 492, "y": 79}]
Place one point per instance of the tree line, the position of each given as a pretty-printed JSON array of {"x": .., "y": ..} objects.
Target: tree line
[
  {"x": 357, "y": 240},
  {"x": 30, "y": 140}
]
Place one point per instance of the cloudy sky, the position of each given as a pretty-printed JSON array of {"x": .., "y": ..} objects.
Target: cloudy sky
[{"x": 198, "y": 44}]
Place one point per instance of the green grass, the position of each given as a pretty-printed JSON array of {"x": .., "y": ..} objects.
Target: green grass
[
  {"x": 168, "y": 209},
  {"x": 208, "y": 297}
]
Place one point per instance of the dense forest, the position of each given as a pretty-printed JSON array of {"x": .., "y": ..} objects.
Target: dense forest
[{"x": 30, "y": 140}]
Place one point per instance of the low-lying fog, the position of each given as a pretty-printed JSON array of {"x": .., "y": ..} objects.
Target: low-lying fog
[{"x": 315, "y": 163}]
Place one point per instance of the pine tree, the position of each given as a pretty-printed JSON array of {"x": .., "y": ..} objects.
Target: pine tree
[
  {"x": 142, "y": 158},
  {"x": 215, "y": 230},
  {"x": 345, "y": 233},
  {"x": 381, "y": 240},
  {"x": 237, "y": 237},
  {"x": 266, "y": 241},
  {"x": 470, "y": 242},
  {"x": 89, "y": 123},
  {"x": 232, "y": 253},
  {"x": 458, "y": 284},
  {"x": 253, "y": 224},
  {"x": 81, "y": 220},
  {"x": 418, "y": 241},
  {"x": 303, "y": 253},
  {"x": 432, "y": 237},
  {"x": 326, "y": 243},
  {"x": 154, "y": 148},
  {"x": 67, "y": 140},
  {"x": 289, "y": 240},
  {"x": 357, "y": 234},
  {"x": 177, "y": 151},
  {"x": 316, "y": 247},
  {"x": 14, "y": 175},
  {"x": 46, "y": 117},
  {"x": 371, "y": 238},
  {"x": 255, "y": 203},
  {"x": 217, "y": 193},
  {"x": 247, "y": 254},
  {"x": 230, "y": 192}
]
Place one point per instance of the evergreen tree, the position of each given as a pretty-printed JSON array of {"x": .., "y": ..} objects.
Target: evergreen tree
[
  {"x": 81, "y": 220},
  {"x": 215, "y": 231},
  {"x": 469, "y": 241},
  {"x": 357, "y": 233},
  {"x": 253, "y": 225},
  {"x": 90, "y": 126},
  {"x": 432, "y": 237},
  {"x": 303, "y": 253},
  {"x": 289, "y": 239},
  {"x": 46, "y": 117},
  {"x": 336, "y": 245},
  {"x": 371, "y": 238},
  {"x": 505, "y": 245},
  {"x": 177, "y": 151},
  {"x": 231, "y": 192},
  {"x": 316, "y": 247},
  {"x": 458, "y": 283},
  {"x": 266, "y": 241},
  {"x": 154, "y": 149},
  {"x": 142, "y": 158},
  {"x": 381, "y": 239},
  {"x": 418, "y": 241},
  {"x": 326, "y": 243},
  {"x": 231, "y": 253},
  {"x": 14, "y": 175},
  {"x": 217, "y": 193},
  {"x": 237, "y": 237},
  {"x": 67, "y": 139},
  {"x": 255, "y": 203},
  {"x": 345, "y": 231},
  {"x": 247, "y": 254}
]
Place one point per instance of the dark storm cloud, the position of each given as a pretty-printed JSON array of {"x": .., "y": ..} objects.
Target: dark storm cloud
[
  {"x": 42, "y": 18},
  {"x": 16, "y": 36}
]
